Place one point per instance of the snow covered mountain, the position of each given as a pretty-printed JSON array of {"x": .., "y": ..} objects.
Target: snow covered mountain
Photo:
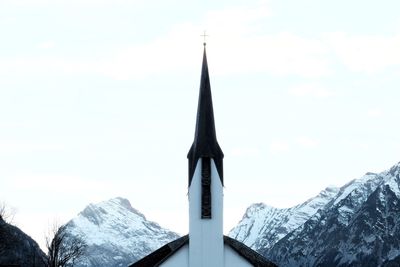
[
  {"x": 359, "y": 227},
  {"x": 356, "y": 225},
  {"x": 262, "y": 226},
  {"x": 116, "y": 233}
]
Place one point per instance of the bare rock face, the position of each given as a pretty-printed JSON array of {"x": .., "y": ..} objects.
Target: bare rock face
[{"x": 17, "y": 248}]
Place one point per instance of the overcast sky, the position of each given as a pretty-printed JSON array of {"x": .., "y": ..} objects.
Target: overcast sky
[{"x": 98, "y": 99}]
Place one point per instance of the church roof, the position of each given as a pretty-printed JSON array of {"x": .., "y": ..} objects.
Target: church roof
[
  {"x": 162, "y": 254},
  {"x": 205, "y": 139},
  {"x": 250, "y": 255}
]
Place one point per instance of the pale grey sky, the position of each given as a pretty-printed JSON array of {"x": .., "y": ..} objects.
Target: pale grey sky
[{"x": 98, "y": 99}]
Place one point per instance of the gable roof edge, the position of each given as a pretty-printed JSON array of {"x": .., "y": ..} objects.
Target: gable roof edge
[
  {"x": 250, "y": 255},
  {"x": 162, "y": 254}
]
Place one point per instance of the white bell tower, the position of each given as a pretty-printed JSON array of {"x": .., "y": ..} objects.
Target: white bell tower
[{"x": 206, "y": 245}]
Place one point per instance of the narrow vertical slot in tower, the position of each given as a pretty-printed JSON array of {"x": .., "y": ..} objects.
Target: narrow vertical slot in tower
[{"x": 206, "y": 189}]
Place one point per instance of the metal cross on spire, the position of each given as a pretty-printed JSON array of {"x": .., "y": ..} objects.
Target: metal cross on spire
[{"x": 204, "y": 35}]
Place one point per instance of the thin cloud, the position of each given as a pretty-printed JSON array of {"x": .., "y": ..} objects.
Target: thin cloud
[
  {"x": 366, "y": 53},
  {"x": 13, "y": 147},
  {"x": 302, "y": 142},
  {"x": 46, "y": 45},
  {"x": 311, "y": 90},
  {"x": 74, "y": 185},
  {"x": 235, "y": 20},
  {"x": 279, "y": 146},
  {"x": 375, "y": 113},
  {"x": 307, "y": 142},
  {"x": 245, "y": 152},
  {"x": 47, "y": 65},
  {"x": 233, "y": 36}
]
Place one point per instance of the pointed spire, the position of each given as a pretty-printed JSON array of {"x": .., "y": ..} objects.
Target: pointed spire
[{"x": 205, "y": 139}]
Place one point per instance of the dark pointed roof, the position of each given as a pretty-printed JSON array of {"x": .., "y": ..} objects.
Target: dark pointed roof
[
  {"x": 205, "y": 139},
  {"x": 162, "y": 254}
]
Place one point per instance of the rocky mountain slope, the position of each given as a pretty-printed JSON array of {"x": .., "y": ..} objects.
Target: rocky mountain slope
[
  {"x": 116, "y": 233},
  {"x": 359, "y": 227},
  {"x": 356, "y": 225},
  {"x": 17, "y": 248},
  {"x": 262, "y": 226}
]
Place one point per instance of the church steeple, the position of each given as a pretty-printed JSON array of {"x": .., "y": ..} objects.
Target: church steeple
[
  {"x": 205, "y": 143},
  {"x": 206, "y": 245}
]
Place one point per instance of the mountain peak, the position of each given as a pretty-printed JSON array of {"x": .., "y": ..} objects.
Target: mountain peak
[
  {"x": 124, "y": 203},
  {"x": 395, "y": 170},
  {"x": 257, "y": 207},
  {"x": 103, "y": 211},
  {"x": 116, "y": 233}
]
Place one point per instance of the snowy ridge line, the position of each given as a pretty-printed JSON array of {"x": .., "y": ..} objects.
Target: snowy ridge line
[
  {"x": 116, "y": 233},
  {"x": 262, "y": 225}
]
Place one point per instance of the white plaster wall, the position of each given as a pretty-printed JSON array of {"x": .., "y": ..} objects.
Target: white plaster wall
[
  {"x": 233, "y": 259},
  {"x": 206, "y": 244},
  {"x": 179, "y": 259}
]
